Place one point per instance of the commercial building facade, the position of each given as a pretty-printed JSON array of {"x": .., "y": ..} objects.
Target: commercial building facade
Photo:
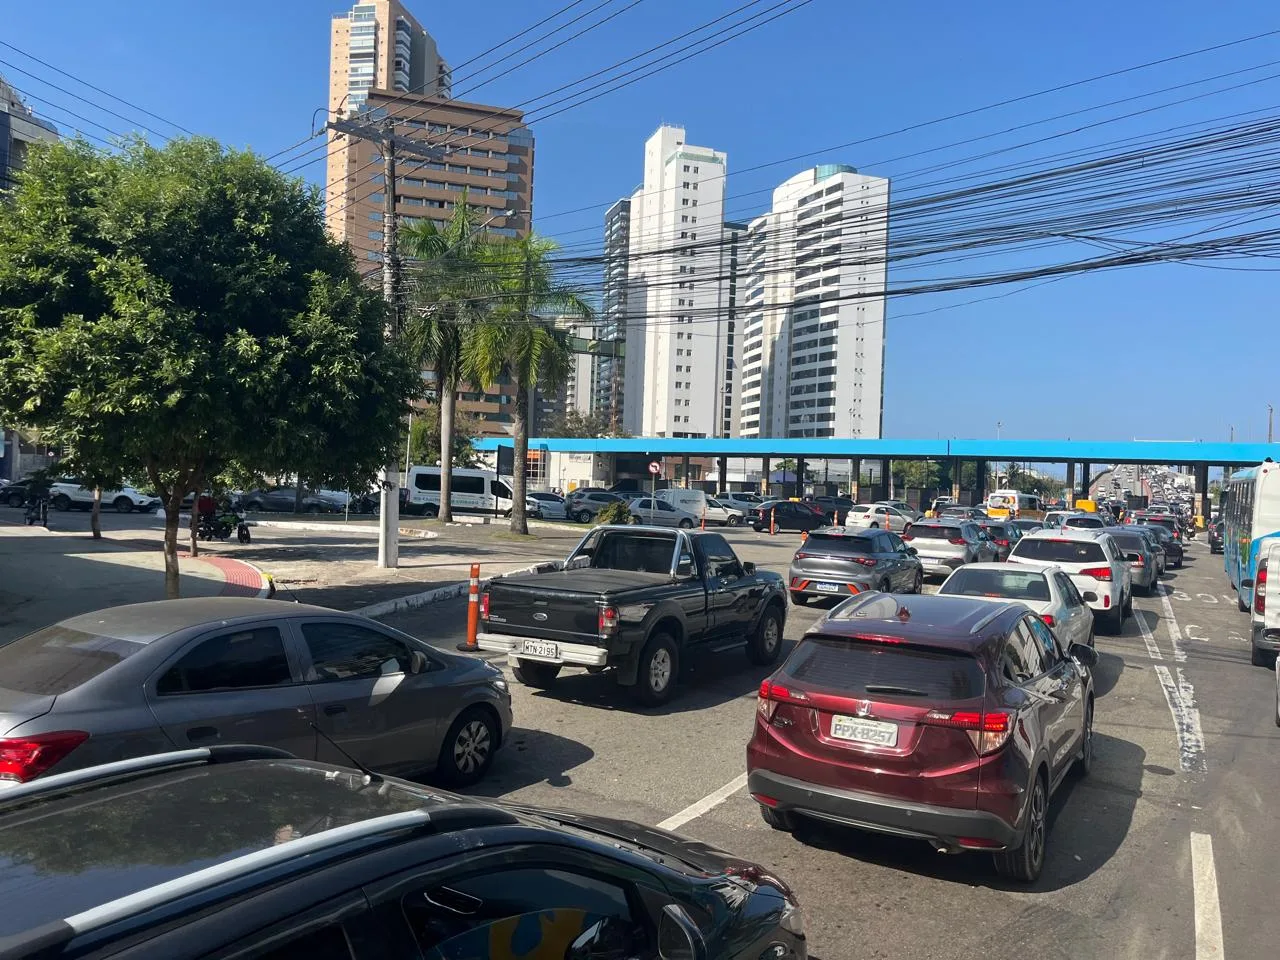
[
  {"x": 813, "y": 308},
  {"x": 19, "y": 128}
]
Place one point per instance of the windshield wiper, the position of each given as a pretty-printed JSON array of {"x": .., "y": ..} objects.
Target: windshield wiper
[{"x": 900, "y": 691}]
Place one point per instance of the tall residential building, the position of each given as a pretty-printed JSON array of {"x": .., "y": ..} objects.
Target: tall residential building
[
  {"x": 578, "y": 388},
  {"x": 813, "y": 311},
  {"x": 607, "y": 374},
  {"x": 19, "y": 127},
  {"x": 677, "y": 292},
  {"x": 379, "y": 45}
]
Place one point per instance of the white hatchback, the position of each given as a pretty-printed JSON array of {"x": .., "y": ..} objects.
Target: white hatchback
[
  {"x": 1048, "y": 591},
  {"x": 1093, "y": 561},
  {"x": 877, "y": 516}
]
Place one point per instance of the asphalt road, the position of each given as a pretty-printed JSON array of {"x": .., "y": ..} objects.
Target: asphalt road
[{"x": 1184, "y": 731}]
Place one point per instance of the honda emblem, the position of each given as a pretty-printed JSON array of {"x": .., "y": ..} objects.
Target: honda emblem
[{"x": 862, "y": 708}]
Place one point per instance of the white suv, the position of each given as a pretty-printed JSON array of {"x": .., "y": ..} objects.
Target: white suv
[
  {"x": 1093, "y": 561},
  {"x": 67, "y": 493}
]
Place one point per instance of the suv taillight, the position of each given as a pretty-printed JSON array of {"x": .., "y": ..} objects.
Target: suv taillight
[
  {"x": 772, "y": 694},
  {"x": 25, "y": 758},
  {"x": 958, "y": 541},
  {"x": 1260, "y": 589},
  {"x": 1098, "y": 573},
  {"x": 607, "y": 625},
  {"x": 484, "y": 605},
  {"x": 988, "y": 731}
]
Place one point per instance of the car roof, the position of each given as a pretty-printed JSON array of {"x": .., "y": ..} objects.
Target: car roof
[
  {"x": 949, "y": 622},
  {"x": 848, "y": 533},
  {"x": 940, "y": 521},
  {"x": 1066, "y": 533},
  {"x": 144, "y": 622},
  {"x": 1010, "y": 568}
]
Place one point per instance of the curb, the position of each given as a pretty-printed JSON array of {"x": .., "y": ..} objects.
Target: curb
[
  {"x": 341, "y": 528},
  {"x": 438, "y": 595}
]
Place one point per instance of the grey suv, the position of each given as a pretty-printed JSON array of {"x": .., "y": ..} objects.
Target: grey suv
[
  {"x": 583, "y": 507},
  {"x": 948, "y": 543},
  {"x": 832, "y": 563},
  {"x": 144, "y": 678}
]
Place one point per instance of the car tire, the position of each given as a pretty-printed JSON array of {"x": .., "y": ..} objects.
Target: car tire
[
  {"x": 16, "y": 499},
  {"x": 583, "y": 516},
  {"x": 313, "y": 510},
  {"x": 469, "y": 747},
  {"x": 61, "y": 502},
  {"x": 533, "y": 673},
  {"x": 1025, "y": 862},
  {"x": 686, "y": 524},
  {"x": 658, "y": 670},
  {"x": 1261, "y": 658},
  {"x": 122, "y": 505},
  {"x": 1126, "y": 608},
  {"x": 885, "y": 586},
  {"x": 253, "y": 506},
  {"x": 917, "y": 585},
  {"x": 786, "y": 822},
  {"x": 732, "y": 521},
  {"x": 1084, "y": 765},
  {"x": 799, "y": 599},
  {"x": 765, "y": 644},
  {"x": 757, "y": 529},
  {"x": 1114, "y": 620},
  {"x": 875, "y": 526}
]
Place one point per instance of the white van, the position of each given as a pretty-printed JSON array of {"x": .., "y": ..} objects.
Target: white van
[
  {"x": 474, "y": 491},
  {"x": 690, "y": 501}
]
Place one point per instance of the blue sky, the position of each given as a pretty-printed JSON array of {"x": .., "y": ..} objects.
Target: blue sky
[{"x": 1157, "y": 352}]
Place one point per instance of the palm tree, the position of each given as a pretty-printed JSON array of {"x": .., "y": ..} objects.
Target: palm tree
[
  {"x": 516, "y": 340},
  {"x": 450, "y": 297}
]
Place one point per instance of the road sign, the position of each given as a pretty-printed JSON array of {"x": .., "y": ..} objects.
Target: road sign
[{"x": 655, "y": 468}]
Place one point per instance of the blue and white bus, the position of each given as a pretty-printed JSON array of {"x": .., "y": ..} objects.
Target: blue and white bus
[{"x": 1251, "y": 514}]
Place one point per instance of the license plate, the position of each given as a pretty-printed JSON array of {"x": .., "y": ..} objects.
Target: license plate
[
  {"x": 540, "y": 648},
  {"x": 875, "y": 732},
  {"x": 827, "y": 587}
]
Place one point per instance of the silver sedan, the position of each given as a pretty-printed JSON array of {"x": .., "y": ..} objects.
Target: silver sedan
[
  {"x": 1047, "y": 590},
  {"x": 659, "y": 513}
]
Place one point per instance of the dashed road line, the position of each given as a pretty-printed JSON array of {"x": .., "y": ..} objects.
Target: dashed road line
[
  {"x": 1208, "y": 910},
  {"x": 709, "y": 802},
  {"x": 1175, "y": 634},
  {"x": 1186, "y": 719}
]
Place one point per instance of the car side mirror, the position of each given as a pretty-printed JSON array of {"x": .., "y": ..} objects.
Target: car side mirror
[
  {"x": 418, "y": 662},
  {"x": 678, "y": 937},
  {"x": 607, "y": 937},
  {"x": 1089, "y": 597},
  {"x": 1084, "y": 654},
  {"x": 748, "y": 568},
  {"x": 913, "y": 552}
]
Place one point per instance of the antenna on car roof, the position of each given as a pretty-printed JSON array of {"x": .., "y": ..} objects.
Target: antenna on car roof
[{"x": 369, "y": 774}]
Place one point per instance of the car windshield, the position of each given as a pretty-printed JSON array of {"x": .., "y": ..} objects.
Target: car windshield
[
  {"x": 828, "y": 545},
  {"x": 1060, "y": 551},
  {"x": 57, "y": 659},
  {"x": 858, "y": 667},
  {"x": 924, "y": 531},
  {"x": 1012, "y": 583}
]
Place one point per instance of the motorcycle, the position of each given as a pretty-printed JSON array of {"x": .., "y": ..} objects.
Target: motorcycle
[
  {"x": 38, "y": 511},
  {"x": 219, "y": 527}
]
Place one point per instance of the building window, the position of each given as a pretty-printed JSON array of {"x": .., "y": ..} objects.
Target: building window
[{"x": 686, "y": 168}]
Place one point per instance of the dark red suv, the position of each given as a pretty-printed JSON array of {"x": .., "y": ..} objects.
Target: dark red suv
[{"x": 946, "y": 719}]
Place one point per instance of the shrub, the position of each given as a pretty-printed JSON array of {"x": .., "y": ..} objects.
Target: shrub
[{"x": 617, "y": 512}]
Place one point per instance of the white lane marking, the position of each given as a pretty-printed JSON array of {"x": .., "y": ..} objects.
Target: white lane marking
[
  {"x": 1174, "y": 633},
  {"x": 709, "y": 802},
  {"x": 1191, "y": 633},
  {"x": 1228, "y": 598},
  {"x": 1204, "y": 882},
  {"x": 1206, "y": 597},
  {"x": 1153, "y": 649},
  {"x": 1186, "y": 719}
]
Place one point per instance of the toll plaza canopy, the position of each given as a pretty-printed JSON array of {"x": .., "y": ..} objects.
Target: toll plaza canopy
[{"x": 1180, "y": 452}]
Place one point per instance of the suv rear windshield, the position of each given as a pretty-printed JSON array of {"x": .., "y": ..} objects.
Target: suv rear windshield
[
  {"x": 859, "y": 668},
  {"x": 1131, "y": 541},
  {"x": 1060, "y": 551},
  {"x": 1162, "y": 521},
  {"x": 923, "y": 531},
  {"x": 56, "y": 659},
  {"x": 829, "y": 545},
  {"x": 1014, "y": 583}
]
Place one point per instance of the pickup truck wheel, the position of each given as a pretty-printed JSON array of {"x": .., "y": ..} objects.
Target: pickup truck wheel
[
  {"x": 534, "y": 674},
  {"x": 763, "y": 648},
  {"x": 656, "y": 676}
]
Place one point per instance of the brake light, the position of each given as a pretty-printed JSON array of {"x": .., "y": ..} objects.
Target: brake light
[
  {"x": 1003, "y": 543},
  {"x": 772, "y": 694},
  {"x": 607, "y": 624},
  {"x": 484, "y": 605},
  {"x": 802, "y": 556},
  {"x": 1098, "y": 573},
  {"x": 958, "y": 541},
  {"x": 865, "y": 561},
  {"x": 1139, "y": 562},
  {"x": 988, "y": 731},
  {"x": 908, "y": 536},
  {"x": 1047, "y": 618},
  {"x": 25, "y": 758},
  {"x": 1260, "y": 589}
]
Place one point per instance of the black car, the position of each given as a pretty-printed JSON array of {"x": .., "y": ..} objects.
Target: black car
[
  {"x": 245, "y": 851},
  {"x": 787, "y": 515},
  {"x": 1215, "y": 537},
  {"x": 1168, "y": 540},
  {"x": 1004, "y": 535},
  {"x": 637, "y": 600},
  {"x": 284, "y": 499}
]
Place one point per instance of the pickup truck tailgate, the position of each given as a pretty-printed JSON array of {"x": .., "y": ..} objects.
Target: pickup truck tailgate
[{"x": 560, "y": 605}]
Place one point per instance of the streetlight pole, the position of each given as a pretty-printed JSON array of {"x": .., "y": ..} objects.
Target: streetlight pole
[{"x": 1271, "y": 416}]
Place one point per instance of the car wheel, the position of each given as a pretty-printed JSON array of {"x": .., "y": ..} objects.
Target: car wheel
[
  {"x": 1085, "y": 766},
  {"x": 314, "y": 509},
  {"x": 1261, "y": 658},
  {"x": 875, "y": 526},
  {"x": 253, "y": 506},
  {"x": 15, "y": 499},
  {"x": 763, "y": 648},
  {"x": 786, "y": 822},
  {"x": 123, "y": 505},
  {"x": 686, "y": 524},
  {"x": 469, "y": 746},
  {"x": 583, "y": 516},
  {"x": 1127, "y": 608},
  {"x": 917, "y": 585},
  {"x": 62, "y": 502},
  {"x": 659, "y": 664},
  {"x": 757, "y": 528},
  {"x": 799, "y": 599},
  {"x": 1115, "y": 620},
  {"x": 1025, "y": 862},
  {"x": 534, "y": 674}
]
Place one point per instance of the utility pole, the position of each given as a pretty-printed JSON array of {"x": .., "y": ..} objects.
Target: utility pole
[
  {"x": 383, "y": 133},
  {"x": 1271, "y": 418}
]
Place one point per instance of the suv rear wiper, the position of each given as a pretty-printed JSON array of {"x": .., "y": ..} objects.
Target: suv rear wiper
[{"x": 900, "y": 691}]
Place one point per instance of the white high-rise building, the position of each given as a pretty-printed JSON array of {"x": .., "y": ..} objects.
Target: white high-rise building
[
  {"x": 677, "y": 300},
  {"x": 811, "y": 307}
]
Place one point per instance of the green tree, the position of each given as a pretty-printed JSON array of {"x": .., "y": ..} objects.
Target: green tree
[
  {"x": 424, "y": 438},
  {"x": 451, "y": 289},
  {"x": 183, "y": 310},
  {"x": 575, "y": 423},
  {"x": 517, "y": 341}
]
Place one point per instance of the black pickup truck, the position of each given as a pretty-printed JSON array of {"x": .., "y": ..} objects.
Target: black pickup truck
[{"x": 634, "y": 598}]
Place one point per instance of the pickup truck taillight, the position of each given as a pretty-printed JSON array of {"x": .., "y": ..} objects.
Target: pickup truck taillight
[
  {"x": 484, "y": 605},
  {"x": 608, "y": 622},
  {"x": 1098, "y": 573},
  {"x": 1260, "y": 589}
]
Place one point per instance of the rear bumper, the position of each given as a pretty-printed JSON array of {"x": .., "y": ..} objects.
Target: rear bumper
[
  {"x": 580, "y": 654},
  {"x": 944, "y": 566},
  {"x": 810, "y": 581},
  {"x": 1264, "y": 639},
  {"x": 945, "y": 825}
]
